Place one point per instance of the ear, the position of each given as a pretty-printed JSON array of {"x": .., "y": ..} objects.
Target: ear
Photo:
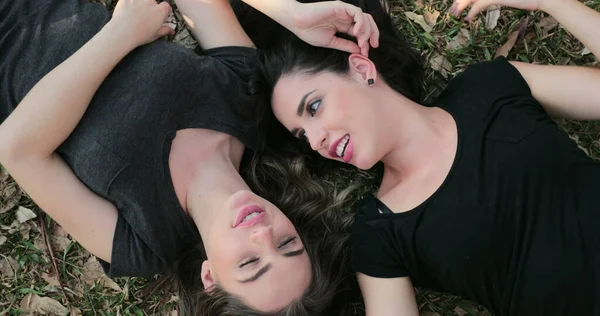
[
  {"x": 362, "y": 68},
  {"x": 207, "y": 277}
]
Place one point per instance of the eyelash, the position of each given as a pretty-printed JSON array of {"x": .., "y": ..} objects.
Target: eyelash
[
  {"x": 311, "y": 110},
  {"x": 255, "y": 259}
]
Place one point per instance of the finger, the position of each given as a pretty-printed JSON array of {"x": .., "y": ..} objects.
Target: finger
[
  {"x": 476, "y": 9},
  {"x": 358, "y": 18},
  {"x": 344, "y": 45},
  {"x": 461, "y": 6},
  {"x": 165, "y": 8},
  {"x": 164, "y": 30},
  {"x": 374, "y": 38},
  {"x": 363, "y": 38}
]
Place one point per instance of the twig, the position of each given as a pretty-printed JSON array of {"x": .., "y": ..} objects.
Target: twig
[{"x": 42, "y": 223}]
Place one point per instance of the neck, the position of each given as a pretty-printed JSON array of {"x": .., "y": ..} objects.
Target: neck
[
  {"x": 215, "y": 177},
  {"x": 421, "y": 135}
]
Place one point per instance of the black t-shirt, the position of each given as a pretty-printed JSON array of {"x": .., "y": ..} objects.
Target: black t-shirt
[
  {"x": 514, "y": 226},
  {"x": 120, "y": 149}
]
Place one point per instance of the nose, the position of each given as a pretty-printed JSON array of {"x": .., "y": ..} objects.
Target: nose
[
  {"x": 317, "y": 139},
  {"x": 262, "y": 235}
]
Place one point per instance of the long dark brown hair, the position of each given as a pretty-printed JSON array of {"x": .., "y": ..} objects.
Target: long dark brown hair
[{"x": 320, "y": 213}]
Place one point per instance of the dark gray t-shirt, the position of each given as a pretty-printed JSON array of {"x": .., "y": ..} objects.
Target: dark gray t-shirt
[{"x": 120, "y": 148}]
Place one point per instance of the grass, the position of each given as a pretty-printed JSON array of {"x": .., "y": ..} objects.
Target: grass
[{"x": 27, "y": 273}]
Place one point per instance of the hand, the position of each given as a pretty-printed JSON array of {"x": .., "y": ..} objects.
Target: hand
[
  {"x": 479, "y": 5},
  {"x": 141, "y": 20},
  {"x": 317, "y": 24}
]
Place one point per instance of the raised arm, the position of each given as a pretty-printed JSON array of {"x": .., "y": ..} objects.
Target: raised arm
[
  {"x": 214, "y": 24},
  {"x": 564, "y": 91},
  {"x": 388, "y": 297},
  {"x": 49, "y": 113}
]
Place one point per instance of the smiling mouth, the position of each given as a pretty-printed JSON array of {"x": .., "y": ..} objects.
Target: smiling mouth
[{"x": 341, "y": 147}]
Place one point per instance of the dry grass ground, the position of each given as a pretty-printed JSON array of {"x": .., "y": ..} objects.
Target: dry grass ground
[{"x": 65, "y": 279}]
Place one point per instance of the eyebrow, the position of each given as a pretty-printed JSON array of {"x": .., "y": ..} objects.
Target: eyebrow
[
  {"x": 267, "y": 267},
  {"x": 300, "y": 109},
  {"x": 258, "y": 274}
]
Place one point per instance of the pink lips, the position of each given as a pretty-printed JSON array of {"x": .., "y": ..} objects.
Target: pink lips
[
  {"x": 347, "y": 153},
  {"x": 247, "y": 211}
]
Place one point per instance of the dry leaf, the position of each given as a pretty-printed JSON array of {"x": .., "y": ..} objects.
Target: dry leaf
[
  {"x": 74, "y": 311},
  {"x": 491, "y": 17},
  {"x": 24, "y": 214},
  {"x": 440, "y": 64},
  {"x": 8, "y": 267},
  {"x": 3, "y": 239},
  {"x": 461, "y": 40},
  {"x": 510, "y": 43},
  {"x": 92, "y": 272},
  {"x": 26, "y": 228},
  {"x": 419, "y": 19},
  {"x": 419, "y": 4},
  {"x": 109, "y": 283},
  {"x": 10, "y": 196},
  {"x": 431, "y": 17},
  {"x": 546, "y": 25},
  {"x": 59, "y": 231},
  {"x": 60, "y": 243},
  {"x": 585, "y": 51},
  {"x": 39, "y": 243},
  {"x": 13, "y": 228},
  {"x": 459, "y": 311},
  {"x": 32, "y": 303},
  {"x": 51, "y": 279}
]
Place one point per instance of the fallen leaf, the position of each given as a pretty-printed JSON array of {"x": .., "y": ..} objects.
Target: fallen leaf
[
  {"x": 461, "y": 40},
  {"x": 3, "y": 239},
  {"x": 60, "y": 243},
  {"x": 459, "y": 311},
  {"x": 107, "y": 282},
  {"x": 74, "y": 311},
  {"x": 585, "y": 51},
  {"x": 546, "y": 25},
  {"x": 24, "y": 214},
  {"x": 510, "y": 43},
  {"x": 440, "y": 64},
  {"x": 8, "y": 267},
  {"x": 419, "y": 4},
  {"x": 431, "y": 17},
  {"x": 13, "y": 228},
  {"x": 26, "y": 228},
  {"x": 419, "y": 19},
  {"x": 491, "y": 17},
  {"x": 10, "y": 196},
  {"x": 59, "y": 231},
  {"x": 39, "y": 243},
  {"x": 32, "y": 303},
  {"x": 51, "y": 279},
  {"x": 92, "y": 272}
]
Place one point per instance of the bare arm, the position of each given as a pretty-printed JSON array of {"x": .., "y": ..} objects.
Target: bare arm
[
  {"x": 388, "y": 297},
  {"x": 213, "y": 23},
  {"x": 51, "y": 110},
  {"x": 568, "y": 91},
  {"x": 564, "y": 91}
]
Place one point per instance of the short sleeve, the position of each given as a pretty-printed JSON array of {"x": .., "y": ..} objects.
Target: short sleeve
[
  {"x": 490, "y": 82},
  {"x": 374, "y": 255},
  {"x": 219, "y": 96},
  {"x": 131, "y": 256}
]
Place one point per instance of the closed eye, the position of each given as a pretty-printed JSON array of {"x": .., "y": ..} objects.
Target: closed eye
[
  {"x": 288, "y": 241},
  {"x": 248, "y": 261}
]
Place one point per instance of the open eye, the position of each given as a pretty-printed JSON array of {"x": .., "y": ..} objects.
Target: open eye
[
  {"x": 313, "y": 107},
  {"x": 287, "y": 241},
  {"x": 248, "y": 261}
]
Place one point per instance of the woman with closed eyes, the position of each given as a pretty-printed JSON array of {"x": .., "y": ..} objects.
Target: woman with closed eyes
[
  {"x": 483, "y": 195},
  {"x": 134, "y": 145}
]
